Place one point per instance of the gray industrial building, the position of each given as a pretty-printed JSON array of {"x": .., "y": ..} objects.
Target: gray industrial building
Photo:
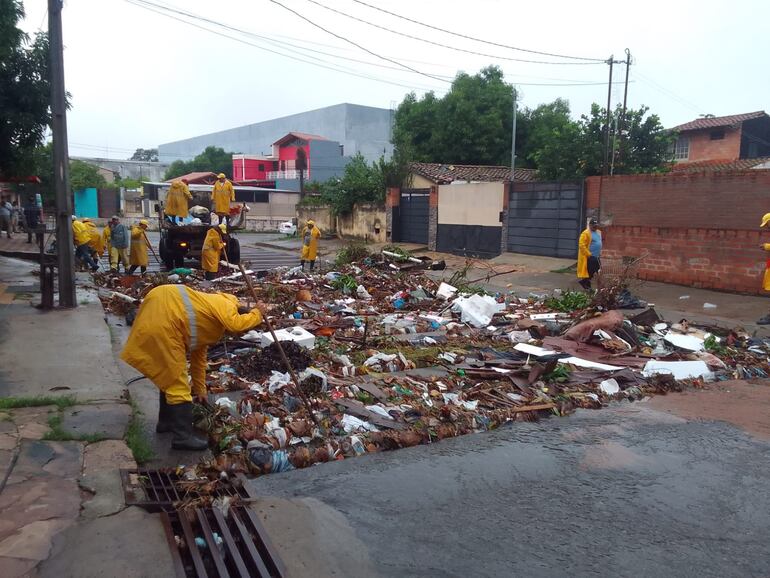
[
  {"x": 139, "y": 170},
  {"x": 363, "y": 129}
]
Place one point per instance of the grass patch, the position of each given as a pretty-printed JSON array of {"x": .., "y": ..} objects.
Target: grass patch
[
  {"x": 569, "y": 269},
  {"x": 136, "y": 438},
  {"x": 569, "y": 301},
  {"x": 60, "y": 435},
  {"x": 62, "y": 402},
  {"x": 351, "y": 253}
]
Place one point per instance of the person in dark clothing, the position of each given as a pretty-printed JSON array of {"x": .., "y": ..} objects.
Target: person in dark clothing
[{"x": 33, "y": 216}]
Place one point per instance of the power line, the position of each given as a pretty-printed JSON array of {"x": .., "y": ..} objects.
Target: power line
[
  {"x": 459, "y": 35},
  {"x": 426, "y": 41},
  {"x": 663, "y": 90},
  {"x": 405, "y": 66},
  {"x": 151, "y": 7}
]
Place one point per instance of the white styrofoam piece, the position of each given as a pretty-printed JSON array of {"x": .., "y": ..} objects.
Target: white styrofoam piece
[
  {"x": 532, "y": 350},
  {"x": 679, "y": 369},
  {"x": 446, "y": 291},
  {"x": 688, "y": 342},
  {"x": 536, "y": 316},
  {"x": 296, "y": 334},
  {"x": 579, "y": 362}
]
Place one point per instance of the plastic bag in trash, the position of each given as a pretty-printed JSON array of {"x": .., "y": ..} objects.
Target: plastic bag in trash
[
  {"x": 477, "y": 309},
  {"x": 278, "y": 380},
  {"x": 351, "y": 423},
  {"x": 313, "y": 372},
  {"x": 281, "y": 462},
  {"x": 228, "y": 404},
  {"x": 362, "y": 293}
]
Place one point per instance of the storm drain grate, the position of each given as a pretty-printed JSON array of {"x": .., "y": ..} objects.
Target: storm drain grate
[
  {"x": 164, "y": 490},
  {"x": 205, "y": 542}
]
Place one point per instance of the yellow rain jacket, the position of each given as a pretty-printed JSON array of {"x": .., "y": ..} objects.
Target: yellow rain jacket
[
  {"x": 138, "y": 255},
  {"x": 766, "y": 278},
  {"x": 80, "y": 233},
  {"x": 212, "y": 248},
  {"x": 176, "y": 199},
  {"x": 174, "y": 322},
  {"x": 221, "y": 196},
  {"x": 106, "y": 238},
  {"x": 96, "y": 242},
  {"x": 583, "y": 254},
  {"x": 309, "y": 238}
]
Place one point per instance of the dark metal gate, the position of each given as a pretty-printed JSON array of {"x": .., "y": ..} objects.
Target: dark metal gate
[
  {"x": 109, "y": 202},
  {"x": 413, "y": 216},
  {"x": 545, "y": 218}
]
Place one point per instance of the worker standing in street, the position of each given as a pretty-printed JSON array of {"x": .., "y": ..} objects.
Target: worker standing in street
[
  {"x": 222, "y": 195},
  {"x": 177, "y": 200},
  {"x": 212, "y": 249},
  {"x": 309, "y": 235},
  {"x": 766, "y": 278},
  {"x": 119, "y": 239},
  {"x": 589, "y": 254},
  {"x": 175, "y": 322},
  {"x": 81, "y": 238},
  {"x": 139, "y": 246}
]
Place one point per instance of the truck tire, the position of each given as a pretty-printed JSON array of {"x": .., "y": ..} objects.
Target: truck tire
[
  {"x": 165, "y": 255},
  {"x": 234, "y": 251}
]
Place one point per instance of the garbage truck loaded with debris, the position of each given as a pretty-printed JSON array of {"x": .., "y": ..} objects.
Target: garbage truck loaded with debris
[{"x": 182, "y": 235}]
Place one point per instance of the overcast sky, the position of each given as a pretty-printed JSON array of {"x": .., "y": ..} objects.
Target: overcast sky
[{"x": 139, "y": 78}]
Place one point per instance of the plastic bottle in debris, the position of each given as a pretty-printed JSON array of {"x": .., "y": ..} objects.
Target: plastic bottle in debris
[{"x": 357, "y": 445}]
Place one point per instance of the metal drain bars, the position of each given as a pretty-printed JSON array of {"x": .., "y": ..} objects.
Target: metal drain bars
[
  {"x": 162, "y": 490},
  {"x": 206, "y": 543}
]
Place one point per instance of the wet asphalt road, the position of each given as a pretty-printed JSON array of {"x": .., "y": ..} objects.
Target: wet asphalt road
[
  {"x": 257, "y": 258},
  {"x": 625, "y": 491}
]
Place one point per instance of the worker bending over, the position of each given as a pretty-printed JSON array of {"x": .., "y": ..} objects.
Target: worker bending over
[
  {"x": 177, "y": 200},
  {"x": 139, "y": 246},
  {"x": 82, "y": 238},
  {"x": 310, "y": 234},
  {"x": 174, "y": 322},
  {"x": 222, "y": 195},
  {"x": 212, "y": 248}
]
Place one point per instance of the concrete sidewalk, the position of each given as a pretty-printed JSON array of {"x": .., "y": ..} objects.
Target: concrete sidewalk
[{"x": 63, "y": 417}]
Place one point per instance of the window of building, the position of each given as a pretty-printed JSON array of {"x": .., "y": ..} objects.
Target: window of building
[
  {"x": 717, "y": 134},
  {"x": 261, "y": 167},
  {"x": 247, "y": 196},
  {"x": 681, "y": 148}
]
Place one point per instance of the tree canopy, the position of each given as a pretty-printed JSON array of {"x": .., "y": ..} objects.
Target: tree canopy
[
  {"x": 84, "y": 176},
  {"x": 472, "y": 123},
  {"x": 150, "y": 155},
  {"x": 212, "y": 159},
  {"x": 24, "y": 92}
]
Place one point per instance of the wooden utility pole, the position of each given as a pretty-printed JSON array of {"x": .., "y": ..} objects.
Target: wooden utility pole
[
  {"x": 605, "y": 165},
  {"x": 623, "y": 124},
  {"x": 513, "y": 136},
  {"x": 64, "y": 247}
]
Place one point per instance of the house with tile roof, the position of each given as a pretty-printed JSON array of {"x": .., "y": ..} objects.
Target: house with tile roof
[
  {"x": 428, "y": 174},
  {"x": 739, "y": 141}
]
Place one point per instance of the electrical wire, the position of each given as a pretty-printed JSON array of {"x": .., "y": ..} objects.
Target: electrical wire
[
  {"x": 405, "y": 66},
  {"x": 425, "y": 40},
  {"x": 459, "y": 35},
  {"x": 329, "y": 66},
  {"x": 663, "y": 90}
]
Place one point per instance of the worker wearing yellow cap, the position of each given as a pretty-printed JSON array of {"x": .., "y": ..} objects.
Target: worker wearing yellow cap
[
  {"x": 177, "y": 200},
  {"x": 766, "y": 279},
  {"x": 212, "y": 249},
  {"x": 309, "y": 235},
  {"x": 175, "y": 322},
  {"x": 139, "y": 245},
  {"x": 222, "y": 195}
]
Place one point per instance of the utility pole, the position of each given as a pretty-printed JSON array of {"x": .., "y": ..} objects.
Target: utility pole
[
  {"x": 611, "y": 61},
  {"x": 64, "y": 248},
  {"x": 513, "y": 136},
  {"x": 623, "y": 126}
]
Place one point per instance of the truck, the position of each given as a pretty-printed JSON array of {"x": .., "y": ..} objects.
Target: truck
[{"x": 179, "y": 242}]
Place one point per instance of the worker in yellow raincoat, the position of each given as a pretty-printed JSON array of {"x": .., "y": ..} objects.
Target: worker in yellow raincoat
[
  {"x": 139, "y": 245},
  {"x": 96, "y": 242},
  {"x": 222, "y": 195},
  {"x": 589, "y": 254},
  {"x": 174, "y": 322},
  {"x": 106, "y": 238},
  {"x": 176, "y": 200},
  {"x": 309, "y": 235},
  {"x": 212, "y": 249},
  {"x": 766, "y": 278},
  {"x": 82, "y": 238}
]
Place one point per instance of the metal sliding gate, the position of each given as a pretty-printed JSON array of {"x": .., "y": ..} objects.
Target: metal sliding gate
[
  {"x": 413, "y": 216},
  {"x": 545, "y": 218}
]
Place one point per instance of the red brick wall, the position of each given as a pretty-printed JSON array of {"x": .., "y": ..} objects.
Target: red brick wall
[
  {"x": 699, "y": 230},
  {"x": 702, "y": 148},
  {"x": 592, "y": 192}
]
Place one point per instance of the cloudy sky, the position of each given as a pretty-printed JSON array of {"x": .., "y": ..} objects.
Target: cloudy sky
[{"x": 139, "y": 77}]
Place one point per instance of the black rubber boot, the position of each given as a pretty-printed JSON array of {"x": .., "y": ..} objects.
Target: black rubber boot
[
  {"x": 181, "y": 418},
  {"x": 164, "y": 422}
]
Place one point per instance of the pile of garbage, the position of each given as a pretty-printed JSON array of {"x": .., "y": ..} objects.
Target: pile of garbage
[{"x": 387, "y": 357}]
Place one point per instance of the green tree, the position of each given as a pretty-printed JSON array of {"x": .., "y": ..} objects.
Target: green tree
[
  {"x": 212, "y": 159},
  {"x": 24, "y": 92},
  {"x": 149, "y": 155},
  {"x": 84, "y": 175},
  {"x": 471, "y": 124}
]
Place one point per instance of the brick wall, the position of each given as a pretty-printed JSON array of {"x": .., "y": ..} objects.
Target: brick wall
[
  {"x": 699, "y": 230},
  {"x": 702, "y": 148}
]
